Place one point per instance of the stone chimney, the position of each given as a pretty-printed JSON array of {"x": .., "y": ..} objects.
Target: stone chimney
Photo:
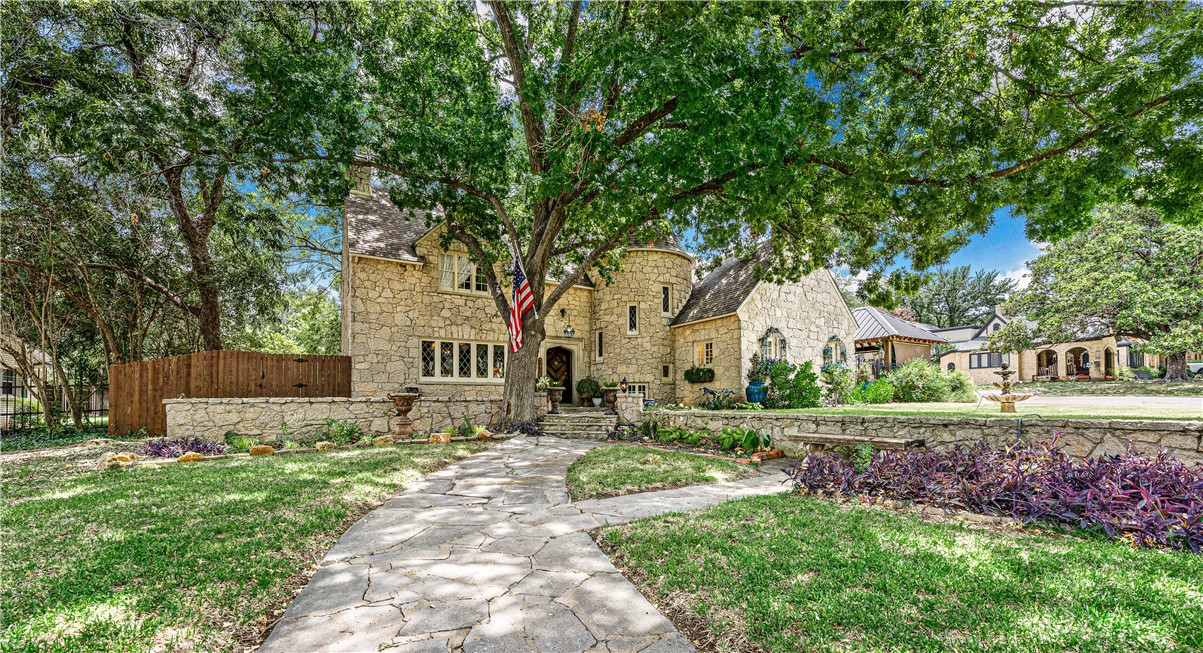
[{"x": 361, "y": 177}]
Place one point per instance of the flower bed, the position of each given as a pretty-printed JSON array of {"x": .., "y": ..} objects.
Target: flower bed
[{"x": 1152, "y": 501}]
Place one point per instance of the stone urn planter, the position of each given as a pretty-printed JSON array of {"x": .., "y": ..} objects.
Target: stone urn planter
[
  {"x": 610, "y": 397},
  {"x": 404, "y": 403},
  {"x": 555, "y": 395}
]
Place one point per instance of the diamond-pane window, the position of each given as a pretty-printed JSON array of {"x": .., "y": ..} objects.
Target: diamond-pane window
[
  {"x": 482, "y": 361},
  {"x": 499, "y": 361},
  {"x": 665, "y": 299},
  {"x": 446, "y": 359},
  {"x": 427, "y": 358},
  {"x": 632, "y": 318},
  {"x": 465, "y": 360}
]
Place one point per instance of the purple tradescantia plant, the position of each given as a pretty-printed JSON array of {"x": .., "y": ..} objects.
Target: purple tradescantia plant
[
  {"x": 176, "y": 447},
  {"x": 1155, "y": 501}
]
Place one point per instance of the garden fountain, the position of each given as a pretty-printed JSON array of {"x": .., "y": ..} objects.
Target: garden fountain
[{"x": 1005, "y": 398}]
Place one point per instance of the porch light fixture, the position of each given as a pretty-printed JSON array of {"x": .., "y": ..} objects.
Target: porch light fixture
[
  {"x": 568, "y": 330},
  {"x": 622, "y": 385}
]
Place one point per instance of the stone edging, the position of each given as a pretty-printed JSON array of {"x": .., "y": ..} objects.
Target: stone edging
[{"x": 164, "y": 462}]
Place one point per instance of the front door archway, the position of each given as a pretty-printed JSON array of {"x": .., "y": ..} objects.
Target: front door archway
[{"x": 559, "y": 368}]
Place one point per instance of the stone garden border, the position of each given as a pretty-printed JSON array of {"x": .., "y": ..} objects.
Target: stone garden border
[
  {"x": 1081, "y": 438},
  {"x": 164, "y": 462}
]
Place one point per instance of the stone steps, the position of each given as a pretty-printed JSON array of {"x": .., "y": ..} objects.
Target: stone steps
[{"x": 590, "y": 425}]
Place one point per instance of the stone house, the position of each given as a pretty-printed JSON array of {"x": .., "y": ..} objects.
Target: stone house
[{"x": 415, "y": 313}]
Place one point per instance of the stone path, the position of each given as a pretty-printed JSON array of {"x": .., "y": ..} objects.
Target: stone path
[{"x": 490, "y": 555}]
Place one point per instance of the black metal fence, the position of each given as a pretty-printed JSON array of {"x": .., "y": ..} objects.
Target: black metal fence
[{"x": 20, "y": 408}]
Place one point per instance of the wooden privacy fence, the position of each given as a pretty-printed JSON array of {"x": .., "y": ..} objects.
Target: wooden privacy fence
[{"x": 137, "y": 390}]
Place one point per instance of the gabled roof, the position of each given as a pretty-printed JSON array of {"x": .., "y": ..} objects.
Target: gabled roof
[
  {"x": 724, "y": 290},
  {"x": 377, "y": 228},
  {"x": 876, "y": 324}
]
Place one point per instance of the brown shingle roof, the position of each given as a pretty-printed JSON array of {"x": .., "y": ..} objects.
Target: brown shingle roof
[
  {"x": 724, "y": 290},
  {"x": 377, "y": 228}
]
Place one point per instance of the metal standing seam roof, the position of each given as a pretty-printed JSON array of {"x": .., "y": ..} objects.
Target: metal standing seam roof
[{"x": 875, "y": 324}]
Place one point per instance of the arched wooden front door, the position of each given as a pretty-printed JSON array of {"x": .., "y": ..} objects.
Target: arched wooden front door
[{"x": 559, "y": 368}]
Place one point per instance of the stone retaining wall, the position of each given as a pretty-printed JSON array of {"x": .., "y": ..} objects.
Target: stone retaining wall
[
  {"x": 270, "y": 418},
  {"x": 1081, "y": 437}
]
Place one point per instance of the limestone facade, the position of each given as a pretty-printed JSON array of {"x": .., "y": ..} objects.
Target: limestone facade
[{"x": 422, "y": 319}]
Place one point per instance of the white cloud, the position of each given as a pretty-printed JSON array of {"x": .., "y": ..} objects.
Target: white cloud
[{"x": 1022, "y": 276}]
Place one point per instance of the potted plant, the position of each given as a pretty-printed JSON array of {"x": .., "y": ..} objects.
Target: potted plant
[
  {"x": 756, "y": 389},
  {"x": 590, "y": 390},
  {"x": 610, "y": 394}
]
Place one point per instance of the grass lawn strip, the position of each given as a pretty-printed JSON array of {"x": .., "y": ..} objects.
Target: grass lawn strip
[
  {"x": 200, "y": 556},
  {"x": 619, "y": 469},
  {"x": 788, "y": 573}
]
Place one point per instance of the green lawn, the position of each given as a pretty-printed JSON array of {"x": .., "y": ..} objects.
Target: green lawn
[
  {"x": 787, "y": 573},
  {"x": 618, "y": 469},
  {"x": 1116, "y": 388},
  {"x": 990, "y": 409},
  {"x": 200, "y": 556}
]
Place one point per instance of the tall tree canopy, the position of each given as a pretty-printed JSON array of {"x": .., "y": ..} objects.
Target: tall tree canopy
[
  {"x": 852, "y": 133},
  {"x": 1131, "y": 274},
  {"x": 955, "y": 296}
]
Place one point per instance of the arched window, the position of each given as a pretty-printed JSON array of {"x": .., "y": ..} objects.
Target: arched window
[
  {"x": 835, "y": 351},
  {"x": 772, "y": 344},
  {"x": 952, "y": 367},
  {"x": 997, "y": 327}
]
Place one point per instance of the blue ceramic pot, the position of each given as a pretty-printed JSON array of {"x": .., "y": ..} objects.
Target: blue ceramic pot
[{"x": 756, "y": 391}]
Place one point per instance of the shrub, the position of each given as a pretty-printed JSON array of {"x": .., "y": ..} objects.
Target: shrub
[
  {"x": 341, "y": 433},
  {"x": 176, "y": 447},
  {"x": 588, "y": 387},
  {"x": 837, "y": 383},
  {"x": 880, "y": 391},
  {"x": 1153, "y": 501},
  {"x": 699, "y": 374},
  {"x": 960, "y": 387},
  {"x": 792, "y": 386},
  {"x": 918, "y": 380}
]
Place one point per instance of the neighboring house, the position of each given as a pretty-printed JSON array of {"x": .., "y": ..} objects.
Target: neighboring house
[
  {"x": 1094, "y": 355},
  {"x": 884, "y": 341},
  {"x": 417, "y": 314}
]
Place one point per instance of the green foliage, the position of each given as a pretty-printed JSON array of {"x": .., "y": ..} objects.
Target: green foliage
[
  {"x": 919, "y": 380},
  {"x": 880, "y": 391},
  {"x": 341, "y": 433},
  {"x": 956, "y": 297},
  {"x": 757, "y": 370},
  {"x": 699, "y": 374},
  {"x": 307, "y": 322},
  {"x": 609, "y": 384},
  {"x": 960, "y": 386},
  {"x": 792, "y": 386},
  {"x": 1014, "y": 336},
  {"x": 750, "y": 440},
  {"x": 543, "y": 383},
  {"x": 588, "y": 387},
  {"x": 467, "y": 429},
  {"x": 837, "y": 383},
  {"x": 862, "y": 456}
]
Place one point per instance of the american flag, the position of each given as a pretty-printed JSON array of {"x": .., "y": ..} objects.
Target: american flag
[{"x": 522, "y": 302}]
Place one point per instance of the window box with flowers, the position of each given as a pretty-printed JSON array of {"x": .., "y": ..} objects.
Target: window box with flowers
[{"x": 699, "y": 374}]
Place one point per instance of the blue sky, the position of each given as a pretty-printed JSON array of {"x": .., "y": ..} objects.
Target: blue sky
[{"x": 1004, "y": 247}]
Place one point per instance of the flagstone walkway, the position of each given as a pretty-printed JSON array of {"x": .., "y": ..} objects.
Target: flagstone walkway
[{"x": 490, "y": 555}]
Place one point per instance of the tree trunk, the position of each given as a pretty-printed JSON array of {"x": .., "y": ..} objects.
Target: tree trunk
[
  {"x": 1175, "y": 367},
  {"x": 523, "y": 372}
]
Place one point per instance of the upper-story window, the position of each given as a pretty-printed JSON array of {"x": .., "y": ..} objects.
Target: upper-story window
[
  {"x": 459, "y": 273},
  {"x": 703, "y": 353},
  {"x": 666, "y": 298},
  {"x": 997, "y": 326},
  {"x": 632, "y": 318}
]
